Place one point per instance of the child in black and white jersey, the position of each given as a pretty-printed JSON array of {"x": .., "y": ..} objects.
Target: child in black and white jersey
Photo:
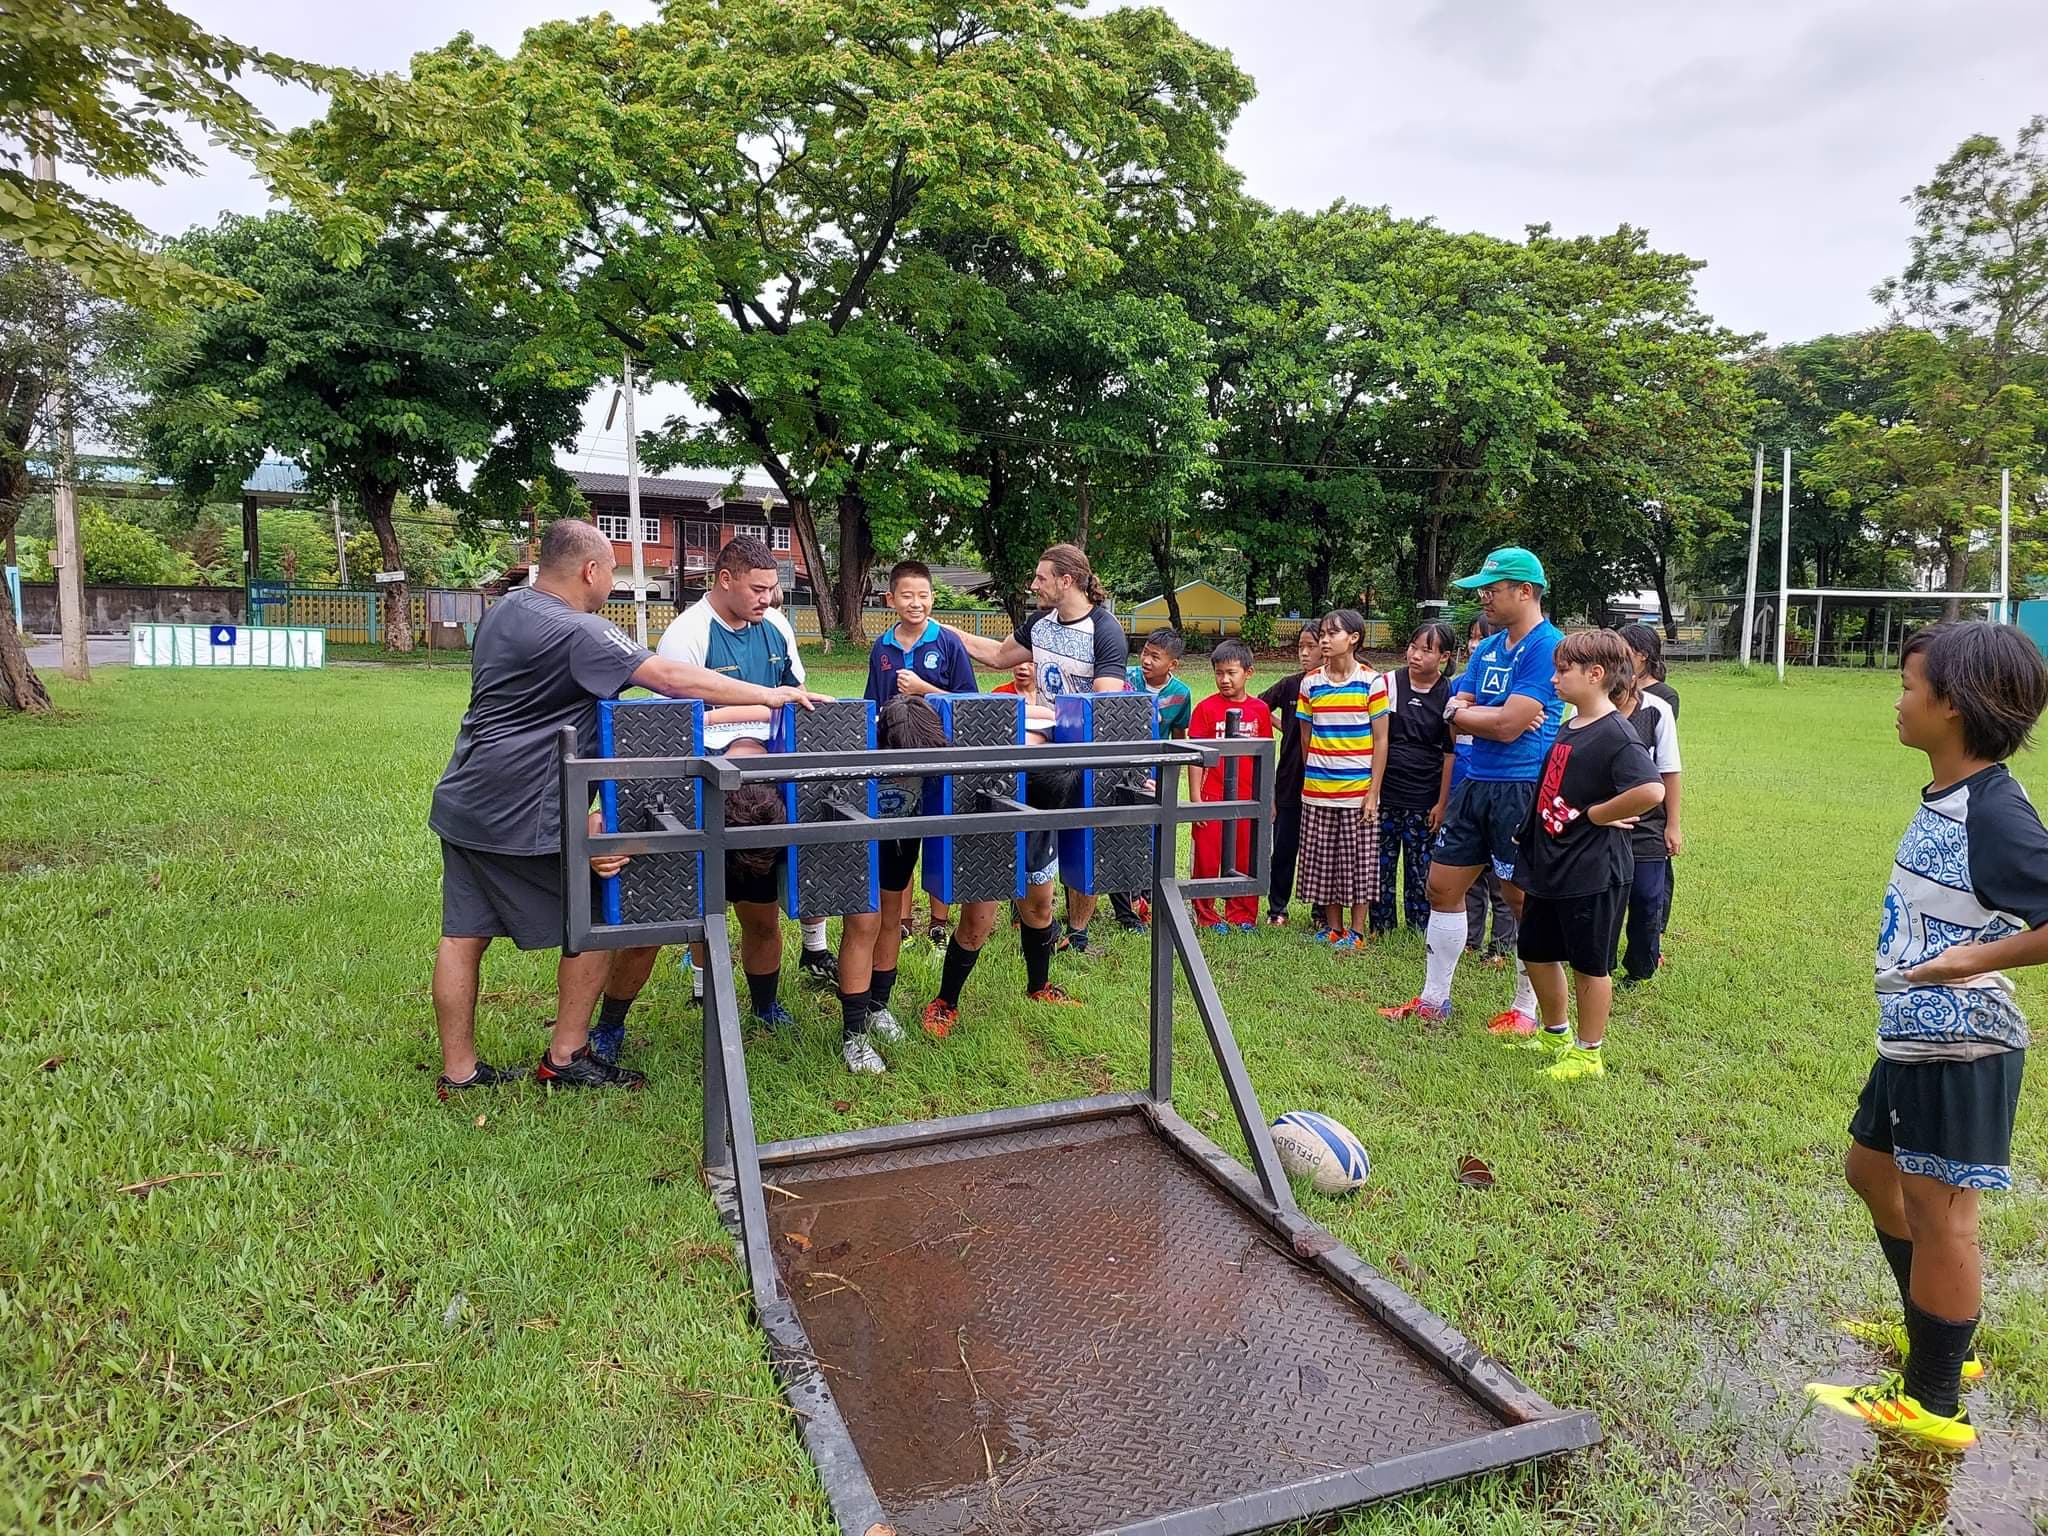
[{"x": 1967, "y": 902}]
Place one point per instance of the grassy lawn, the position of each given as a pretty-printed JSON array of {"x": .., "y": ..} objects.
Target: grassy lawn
[{"x": 219, "y": 900}]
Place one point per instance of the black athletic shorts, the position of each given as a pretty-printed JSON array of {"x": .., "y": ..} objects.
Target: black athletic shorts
[
  {"x": 765, "y": 889},
  {"x": 1483, "y": 823},
  {"x": 514, "y": 896},
  {"x": 1579, "y": 931},
  {"x": 899, "y": 862},
  {"x": 1946, "y": 1120}
]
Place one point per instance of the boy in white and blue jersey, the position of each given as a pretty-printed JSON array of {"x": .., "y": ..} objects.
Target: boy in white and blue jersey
[{"x": 1967, "y": 902}]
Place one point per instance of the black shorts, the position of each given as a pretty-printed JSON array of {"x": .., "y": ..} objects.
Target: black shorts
[
  {"x": 1579, "y": 931},
  {"x": 899, "y": 862},
  {"x": 1945, "y": 1120},
  {"x": 765, "y": 888},
  {"x": 1483, "y": 823},
  {"x": 516, "y": 896}
]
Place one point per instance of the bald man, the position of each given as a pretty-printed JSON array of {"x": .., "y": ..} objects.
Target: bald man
[{"x": 543, "y": 659}]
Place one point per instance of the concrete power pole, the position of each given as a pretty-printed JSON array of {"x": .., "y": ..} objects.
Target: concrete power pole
[
  {"x": 70, "y": 570},
  {"x": 633, "y": 511}
]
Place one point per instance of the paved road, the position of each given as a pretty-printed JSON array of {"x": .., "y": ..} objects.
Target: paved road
[{"x": 45, "y": 655}]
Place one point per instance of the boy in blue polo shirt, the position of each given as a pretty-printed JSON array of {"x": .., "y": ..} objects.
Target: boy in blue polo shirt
[{"x": 917, "y": 655}]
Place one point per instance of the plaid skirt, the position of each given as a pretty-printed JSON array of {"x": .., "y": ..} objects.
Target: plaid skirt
[{"x": 1340, "y": 854}]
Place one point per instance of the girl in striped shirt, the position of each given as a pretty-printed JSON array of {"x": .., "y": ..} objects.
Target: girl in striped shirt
[{"x": 1343, "y": 715}]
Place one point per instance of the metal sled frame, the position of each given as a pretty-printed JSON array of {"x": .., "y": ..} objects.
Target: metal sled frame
[{"x": 1523, "y": 1426}]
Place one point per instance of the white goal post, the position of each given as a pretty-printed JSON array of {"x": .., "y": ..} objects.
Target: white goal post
[{"x": 2000, "y": 599}]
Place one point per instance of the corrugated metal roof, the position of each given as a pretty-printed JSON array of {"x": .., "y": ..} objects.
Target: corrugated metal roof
[{"x": 594, "y": 482}]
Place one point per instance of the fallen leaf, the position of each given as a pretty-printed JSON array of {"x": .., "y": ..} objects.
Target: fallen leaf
[
  {"x": 102, "y": 911},
  {"x": 798, "y": 1241},
  {"x": 54, "y": 1062},
  {"x": 143, "y": 1188},
  {"x": 156, "y": 880},
  {"x": 1400, "y": 1262},
  {"x": 541, "y": 1324},
  {"x": 1308, "y": 1244},
  {"x": 479, "y": 1122},
  {"x": 1474, "y": 1174},
  {"x": 842, "y": 1105}
]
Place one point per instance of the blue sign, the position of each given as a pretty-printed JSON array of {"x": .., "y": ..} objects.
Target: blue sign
[{"x": 223, "y": 634}]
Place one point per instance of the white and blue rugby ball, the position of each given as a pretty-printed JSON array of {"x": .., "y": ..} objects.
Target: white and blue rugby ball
[{"x": 1317, "y": 1148}]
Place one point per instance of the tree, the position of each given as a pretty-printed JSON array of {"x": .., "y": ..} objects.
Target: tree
[
  {"x": 123, "y": 554},
  {"x": 102, "y": 85},
  {"x": 748, "y": 196},
  {"x": 57, "y": 341},
  {"x": 378, "y": 381}
]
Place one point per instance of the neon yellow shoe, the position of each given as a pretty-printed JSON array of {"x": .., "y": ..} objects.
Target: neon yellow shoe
[
  {"x": 1574, "y": 1064},
  {"x": 1888, "y": 1406},
  {"x": 1543, "y": 1043},
  {"x": 1890, "y": 1338}
]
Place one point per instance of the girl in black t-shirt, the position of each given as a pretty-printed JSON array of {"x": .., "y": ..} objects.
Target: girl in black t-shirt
[
  {"x": 1417, "y": 786},
  {"x": 1281, "y": 699}
]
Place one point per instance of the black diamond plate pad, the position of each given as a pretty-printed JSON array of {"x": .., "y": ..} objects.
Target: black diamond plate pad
[
  {"x": 660, "y": 887},
  {"x": 984, "y": 868},
  {"x": 835, "y": 878},
  {"x": 1123, "y": 855},
  {"x": 1059, "y": 1330}
]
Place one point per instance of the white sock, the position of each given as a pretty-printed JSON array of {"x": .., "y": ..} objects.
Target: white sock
[
  {"x": 697, "y": 983},
  {"x": 814, "y": 933},
  {"x": 1525, "y": 992},
  {"x": 1446, "y": 940}
]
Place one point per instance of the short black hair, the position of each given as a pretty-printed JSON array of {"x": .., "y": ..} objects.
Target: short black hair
[
  {"x": 754, "y": 805},
  {"x": 1168, "y": 639},
  {"x": 909, "y": 723},
  {"x": 1991, "y": 674},
  {"x": 1232, "y": 650},
  {"x": 908, "y": 568},
  {"x": 743, "y": 553}
]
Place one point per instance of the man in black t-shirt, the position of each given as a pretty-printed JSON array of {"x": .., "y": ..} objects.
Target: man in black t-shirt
[
  {"x": 542, "y": 660},
  {"x": 1573, "y": 861}
]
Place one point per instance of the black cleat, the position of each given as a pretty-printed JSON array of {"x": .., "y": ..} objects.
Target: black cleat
[
  {"x": 586, "y": 1069},
  {"x": 486, "y": 1076},
  {"x": 820, "y": 966}
]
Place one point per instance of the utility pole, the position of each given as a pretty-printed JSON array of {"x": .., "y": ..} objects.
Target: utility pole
[
  {"x": 70, "y": 572},
  {"x": 1785, "y": 563},
  {"x": 633, "y": 512},
  {"x": 1756, "y": 518},
  {"x": 2005, "y": 546},
  {"x": 340, "y": 547}
]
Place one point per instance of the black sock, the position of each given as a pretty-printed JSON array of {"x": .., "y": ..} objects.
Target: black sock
[
  {"x": 959, "y": 966},
  {"x": 1038, "y": 945},
  {"x": 761, "y": 989},
  {"x": 853, "y": 1013},
  {"x": 1934, "y": 1359},
  {"x": 880, "y": 984},
  {"x": 611, "y": 1013},
  {"x": 1898, "y": 1252}
]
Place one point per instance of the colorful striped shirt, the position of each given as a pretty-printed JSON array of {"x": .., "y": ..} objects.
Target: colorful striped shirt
[{"x": 1337, "y": 770}]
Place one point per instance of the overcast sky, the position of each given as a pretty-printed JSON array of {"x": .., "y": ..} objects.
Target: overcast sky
[{"x": 1771, "y": 140}]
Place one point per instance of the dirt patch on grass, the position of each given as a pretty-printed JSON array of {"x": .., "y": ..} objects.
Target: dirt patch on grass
[{"x": 42, "y": 858}]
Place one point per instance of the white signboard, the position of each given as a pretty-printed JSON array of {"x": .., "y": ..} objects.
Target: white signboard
[
  {"x": 389, "y": 576},
  {"x": 227, "y": 645}
]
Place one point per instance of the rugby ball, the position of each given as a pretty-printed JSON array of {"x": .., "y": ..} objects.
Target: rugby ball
[{"x": 1317, "y": 1148}]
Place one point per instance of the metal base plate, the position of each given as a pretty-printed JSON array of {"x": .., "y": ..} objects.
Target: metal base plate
[{"x": 1072, "y": 1329}]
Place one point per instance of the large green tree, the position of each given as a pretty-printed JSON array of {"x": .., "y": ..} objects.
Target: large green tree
[
  {"x": 109, "y": 88},
  {"x": 754, "y": 198},
  {"x": 384, "y": 379}
]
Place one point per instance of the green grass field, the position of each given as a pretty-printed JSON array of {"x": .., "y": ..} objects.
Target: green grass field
[{"x": 219, "y": 899}]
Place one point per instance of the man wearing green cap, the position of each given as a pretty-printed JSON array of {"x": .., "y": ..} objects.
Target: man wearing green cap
[{"x": 1506, "y": 701}]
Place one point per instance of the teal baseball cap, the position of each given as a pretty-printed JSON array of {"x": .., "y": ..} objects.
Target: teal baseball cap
[{"x": 1511, "y": 563}]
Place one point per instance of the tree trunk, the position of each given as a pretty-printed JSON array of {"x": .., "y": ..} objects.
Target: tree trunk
[
  {"x": 1162, "y": 563},
  {"x": 1318, "y": 574},
  {"x": 20, "y": 689},
  {"x": 822, "y": 595},
  {"x": 856, "y": 558},
  {"x": 1660, "y": 574},
  {"x": 1956, "y": 550},
  {"x": 1429, "y": 567},
  {"x": 397, "y": 598},
  {"x": 1084, "y": 502}
]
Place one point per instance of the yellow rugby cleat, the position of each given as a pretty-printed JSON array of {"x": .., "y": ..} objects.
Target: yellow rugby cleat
[
  {"x": 1890, "y": 1338},
  {"x": 1886, "y": 1405}
]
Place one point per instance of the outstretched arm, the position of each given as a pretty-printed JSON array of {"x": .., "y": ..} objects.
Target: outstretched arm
[
  {"x": 686, "y": 680},
  {"x": 992, "y": 653}
]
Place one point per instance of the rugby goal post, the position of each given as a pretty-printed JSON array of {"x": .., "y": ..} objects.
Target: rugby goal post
[{"x": 2000, "y": 600}]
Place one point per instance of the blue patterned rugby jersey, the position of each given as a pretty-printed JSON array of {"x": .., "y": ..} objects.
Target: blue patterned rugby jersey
[{"x": 1972, "y": 867}]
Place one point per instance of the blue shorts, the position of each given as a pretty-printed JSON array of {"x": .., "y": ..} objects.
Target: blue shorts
[{"x": 1483, "y": 823}]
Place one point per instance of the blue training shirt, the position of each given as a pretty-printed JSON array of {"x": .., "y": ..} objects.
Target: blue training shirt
[
  {"x": 938, "y": 657},
  {"x": 1498, "y": 670}
]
